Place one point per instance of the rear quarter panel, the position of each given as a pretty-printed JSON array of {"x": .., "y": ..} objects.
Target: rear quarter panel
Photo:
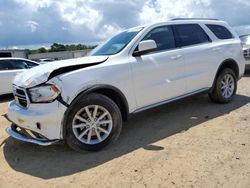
[{"x": 232, "y": 49}]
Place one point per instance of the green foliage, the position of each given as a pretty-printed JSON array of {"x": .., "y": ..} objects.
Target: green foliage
[
  {"x": 56, "y": 47},
  {"x": 42, "y": 50}
]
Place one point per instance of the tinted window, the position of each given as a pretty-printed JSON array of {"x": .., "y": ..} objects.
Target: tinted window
[
  {"x": 163, "y": 36},
  {"x": 5, "y": 65},
  {"x": 190, "y": 34},
  {"x": 220, "y": 31},
  {"x": 17, "y": 64},
  {"x": 30, "y": 64}
]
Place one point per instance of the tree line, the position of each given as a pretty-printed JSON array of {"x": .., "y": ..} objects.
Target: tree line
[{"x": 56, "y": 47}]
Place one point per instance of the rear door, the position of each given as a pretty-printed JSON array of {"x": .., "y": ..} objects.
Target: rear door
[{"x": 199, "y": 54}]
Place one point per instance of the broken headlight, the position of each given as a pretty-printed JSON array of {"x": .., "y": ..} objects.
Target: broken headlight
[{"x": 44, "y": 93}]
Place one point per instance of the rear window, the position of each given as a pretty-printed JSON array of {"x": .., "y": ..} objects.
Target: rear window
[
  {"x": 190, "y": 34},
  {"x": 220, "y": 32}
]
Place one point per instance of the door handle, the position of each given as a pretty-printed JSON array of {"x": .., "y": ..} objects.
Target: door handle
[{"x": 176, "y": 57}]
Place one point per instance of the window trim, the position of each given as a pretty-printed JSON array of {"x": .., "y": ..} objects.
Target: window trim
[{"x": 188, "y": 46}]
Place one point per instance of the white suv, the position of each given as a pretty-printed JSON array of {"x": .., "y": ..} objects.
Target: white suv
[{"x": 84, "y": 101}]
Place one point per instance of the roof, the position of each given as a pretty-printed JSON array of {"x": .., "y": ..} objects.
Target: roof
[
  {"x": 182, "y": 20},
  {"x": 176, "y": 19},
  {"x": 15, "y": 58}
]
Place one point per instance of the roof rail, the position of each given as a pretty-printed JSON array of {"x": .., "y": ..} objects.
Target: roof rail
[{"x": 176, "y": 19}]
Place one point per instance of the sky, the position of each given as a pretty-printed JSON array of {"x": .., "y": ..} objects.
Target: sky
[{"x": 36, "y": 23}]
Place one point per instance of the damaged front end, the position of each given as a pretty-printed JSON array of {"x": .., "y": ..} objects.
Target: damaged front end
[
  {"x": 26, "y": 135},
  {"x": 37, "y": 111}
]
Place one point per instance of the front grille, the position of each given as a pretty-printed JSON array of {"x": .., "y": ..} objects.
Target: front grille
[
  {"x": 247, "y": 53},
  {"x": 20, "y": 96}
]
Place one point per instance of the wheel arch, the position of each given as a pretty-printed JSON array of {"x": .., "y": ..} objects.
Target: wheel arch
[
  {"x": 228, "y": 63},
  {"x": 112, "y": 92}
]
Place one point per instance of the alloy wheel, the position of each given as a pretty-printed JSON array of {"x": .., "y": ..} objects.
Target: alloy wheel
[
  {"x": 92, "y": 124},
  {"x": 227, "y": 86}
]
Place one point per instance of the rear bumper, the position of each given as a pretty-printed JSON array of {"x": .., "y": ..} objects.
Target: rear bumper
[{"x": 15, "y": 134}]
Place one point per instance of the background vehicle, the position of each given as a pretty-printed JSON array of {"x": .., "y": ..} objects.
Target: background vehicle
[
  {"x": 43, "y": 61},
  {"x": 245, "y": 39},
  {"x": 9, "y": 68},
  {"x": 84, "y": 101}
]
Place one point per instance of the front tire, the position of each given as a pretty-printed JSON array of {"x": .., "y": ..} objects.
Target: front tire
[
  {"x": 93, "y": 121},
  {"x": 225, "y": 87}
]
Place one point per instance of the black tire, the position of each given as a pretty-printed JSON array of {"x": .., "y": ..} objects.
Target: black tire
[
  {"x": 80, "y": 103},
  {"x": 216, "y": 94}
]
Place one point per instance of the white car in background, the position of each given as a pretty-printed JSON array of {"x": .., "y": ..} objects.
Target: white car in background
[
  {"x": 46, "y": 60},
  {"x": 9, "y": 68},
  {"x": 245, "y": 39}
]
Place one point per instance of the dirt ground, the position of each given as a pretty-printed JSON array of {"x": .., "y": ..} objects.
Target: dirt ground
[{"x": 191, "y": 143}]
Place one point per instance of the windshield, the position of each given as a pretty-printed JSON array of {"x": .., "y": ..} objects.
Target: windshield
[
  {"x": 116, "y": 43},
  {"x": 245, "y": 39}
]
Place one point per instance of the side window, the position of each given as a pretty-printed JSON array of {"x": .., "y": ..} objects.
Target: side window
[
  {"x": 18, "y": 64},
  {"x": 220, "y": 32},
  {"x": 5, "y": 65},
  {"x": 190, "y": 34},
  {"x": 30, "y": 64},
  {"x": 163, "y": 36}
]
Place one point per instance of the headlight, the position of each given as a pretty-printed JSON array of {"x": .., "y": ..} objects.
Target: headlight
[{"x": 45, "y": 93}]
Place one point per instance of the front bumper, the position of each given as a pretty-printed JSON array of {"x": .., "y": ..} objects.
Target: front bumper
[
  {"x": 17, "y": 135},
  {"x": 44, "y": 119}
]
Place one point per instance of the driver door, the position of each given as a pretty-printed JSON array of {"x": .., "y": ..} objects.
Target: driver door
[{"x": 160, "y": 75}]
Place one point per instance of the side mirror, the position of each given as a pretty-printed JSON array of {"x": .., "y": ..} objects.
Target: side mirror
[{"x": 145, "y": 47}]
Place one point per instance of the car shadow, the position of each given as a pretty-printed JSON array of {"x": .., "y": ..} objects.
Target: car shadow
[
  {"x": 6, "y": 98},
  {"x": 141, "y": 131}
]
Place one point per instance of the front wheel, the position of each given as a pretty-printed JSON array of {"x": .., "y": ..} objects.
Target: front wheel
[
  {"x": 225, "y": 87},
  {"x": 93, "y": 122}
]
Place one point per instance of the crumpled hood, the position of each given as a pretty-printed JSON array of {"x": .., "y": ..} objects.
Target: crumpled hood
[{"x": 45, "y": 72}]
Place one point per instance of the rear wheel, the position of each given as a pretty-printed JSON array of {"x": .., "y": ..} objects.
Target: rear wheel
[
  {"x": 93, "y": 122},
  {"x": 225, "y": 87}
]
